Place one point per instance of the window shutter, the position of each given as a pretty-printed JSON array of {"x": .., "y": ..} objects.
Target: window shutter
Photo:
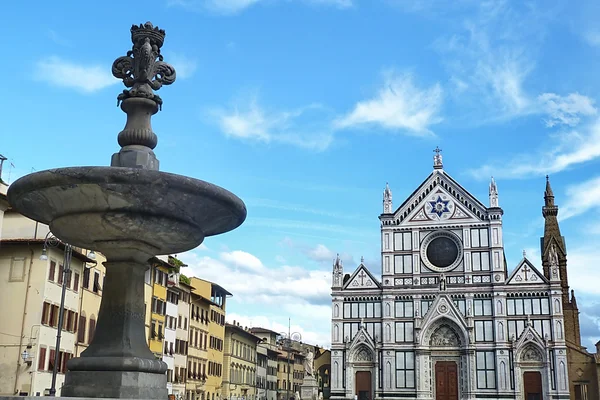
[
  {"x": 76, "y": 282},
  {"x": 81, "y": 332},
  {"x": 42, "y": 359},
  {"x": 60, "y": 274},
  {"x": 92, "y": 330},
  {"x": 52, "y": 271}
]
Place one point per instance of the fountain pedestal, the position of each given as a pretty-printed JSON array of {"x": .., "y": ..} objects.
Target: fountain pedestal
[{"x": 130, "y": 212}]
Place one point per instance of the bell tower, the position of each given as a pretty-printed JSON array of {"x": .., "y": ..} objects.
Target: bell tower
[{"x": 554, "y": 262}]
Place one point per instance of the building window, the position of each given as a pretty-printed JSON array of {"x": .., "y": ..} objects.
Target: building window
[
  {"x": 61, "y": 270},
  {"x": 405, "y": 369},
  {"x": 51, "y": 360},
  {"x": 461, "y": 305},
  {"x": 404, "y": 309},
  {"x": 92, "y": 329},
  {"x": 552, "y": 370},
  {"x": 479, "y": 237},
  {"x": 486, "y": 375},
  {"x": 86, "y": 278},
  {"x": 42, "y": 359},
  {"x": 528, "y": 306},
  {"x": 76, "y": 282},
  {"x": 81, "y": 332},
  {"x": 581, "y": 391},
  {"x": 480, "y": 261},
  {"x": 403, "y": 264},
  {"x": 96, "y": 287},
  {"x": 425, "y": 304},
  {"x": 52, "y": 271},
  {"x": 484, "y": 331},
  {"x": 482, "y": 307},
  {"x": 404, "y": 331},
  {"x": 402, "y": 241}
]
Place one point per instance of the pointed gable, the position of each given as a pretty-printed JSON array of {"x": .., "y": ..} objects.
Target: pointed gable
[
  {"x": 526, "y": 274},
  {"x": 362, "y": 279},
  {"x": 440, "y": 198},
  {"x": 442, "y": 309}
]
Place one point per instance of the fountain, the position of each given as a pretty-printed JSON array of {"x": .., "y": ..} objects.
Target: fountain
[{"x": 130, "y": 212}]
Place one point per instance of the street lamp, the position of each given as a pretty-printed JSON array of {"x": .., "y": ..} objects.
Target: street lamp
[
  {"x": 53, "y": 241},
  {"x": 287, "y": 345}
]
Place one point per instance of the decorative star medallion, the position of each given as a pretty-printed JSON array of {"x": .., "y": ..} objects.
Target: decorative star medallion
[{"x": 439, "y": 206}]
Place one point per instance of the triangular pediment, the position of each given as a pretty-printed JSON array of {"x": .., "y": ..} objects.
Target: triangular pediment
[
  {"x": 528, "y": 337},
  {"x": 526, "y": 274},
  {"x": 362, "y": 279},
  {"x": 362, "y": 338},
  {"x": 440, "y": 199},
  {"x": 443, "y": 309}
]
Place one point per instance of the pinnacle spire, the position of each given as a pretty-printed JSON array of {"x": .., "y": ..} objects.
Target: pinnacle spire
[
  {"x": 548, "y": 194},
  {"x": 387, "y": 199},
  {"x": 493, "y": 193}
]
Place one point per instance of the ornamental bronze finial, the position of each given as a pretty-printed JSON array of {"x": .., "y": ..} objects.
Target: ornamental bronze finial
[{"x": 143, "y": 69}]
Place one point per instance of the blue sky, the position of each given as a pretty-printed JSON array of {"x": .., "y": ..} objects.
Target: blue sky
[{"x": 306, "y": 108}]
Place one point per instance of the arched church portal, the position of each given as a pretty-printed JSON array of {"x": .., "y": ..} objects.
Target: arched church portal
[
  {"x": 448, "y": 360},
  {"x": 531, "y": 368},
  {"x": 363, "y": 365}
]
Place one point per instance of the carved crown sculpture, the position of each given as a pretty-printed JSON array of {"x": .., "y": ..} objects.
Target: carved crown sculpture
[{"x": 143, "y": 69}]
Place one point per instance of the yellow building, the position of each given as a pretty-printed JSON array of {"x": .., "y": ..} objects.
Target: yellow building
[
  {"x": 158, "y": 305},
  {"x": 181, "y": 338},
  {"x": 322, "y": 370},
  {"x": 216, "y": 334},
  {"x": 284, "y": 380},
  {"x": 298, "y": 371},
  {"x": 197, "y": 347},
  {"x": 240, "y": 363}
]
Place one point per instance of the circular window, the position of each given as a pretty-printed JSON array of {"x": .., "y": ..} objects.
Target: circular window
[{"x": 441, "y": 251}]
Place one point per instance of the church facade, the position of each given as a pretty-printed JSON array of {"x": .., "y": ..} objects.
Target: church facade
[{"x": 446, "y": 320}]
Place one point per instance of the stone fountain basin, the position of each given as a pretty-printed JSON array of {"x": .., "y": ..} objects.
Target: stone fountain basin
[{"x": 105, "y": 208}]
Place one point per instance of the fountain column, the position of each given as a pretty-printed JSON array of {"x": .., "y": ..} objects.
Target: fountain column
[{"x": 130, "y": 212}]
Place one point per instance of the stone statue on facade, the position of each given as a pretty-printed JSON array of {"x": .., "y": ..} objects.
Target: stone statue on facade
[{"x": 553, "y": 256}]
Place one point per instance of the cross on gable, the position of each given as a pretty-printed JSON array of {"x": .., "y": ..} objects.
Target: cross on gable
[
  {"x": 362, "y": 277},
  {"x": 437, "y": 150},
  {"x": 526, "y": 270}
]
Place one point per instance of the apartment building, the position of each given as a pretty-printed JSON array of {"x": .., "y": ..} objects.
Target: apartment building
[
  {"x": 240, "y": 360},
  {"x": 30, "y": 289},
  {"x": 268, "y": 343},
  {"x": 197, "y": 347},
  {"x": 181, "y": 338},
  {"x": 216, "y": 334},
  {"x": 91, "y": 296}
]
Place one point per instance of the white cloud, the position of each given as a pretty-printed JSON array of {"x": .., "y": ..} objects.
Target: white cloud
[
  {"x": 250, "y": 121},
  {"x": 581, "y": 198},
  {"x": 63, "y": 73},
  {"x": 582, "y": 264},
  {"x": 593, "y": 38},
  {"x": 279, "y": 324},
  {"x": 279, "y": 293},
  {"x": 566, "y": 110},
  {"x": 321, "y": 253},
  {"x": 398, "y": 105},
  {"x": 572, "y": 148},
  {"x": 184, "y": 66},
  {"x": 251, "y": 281}
]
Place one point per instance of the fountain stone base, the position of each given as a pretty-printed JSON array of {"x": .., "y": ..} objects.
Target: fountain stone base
[{"x": 116, "y": 384}]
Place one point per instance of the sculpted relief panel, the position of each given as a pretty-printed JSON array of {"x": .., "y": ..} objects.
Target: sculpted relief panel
[{"x": 444, "y": 336}]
